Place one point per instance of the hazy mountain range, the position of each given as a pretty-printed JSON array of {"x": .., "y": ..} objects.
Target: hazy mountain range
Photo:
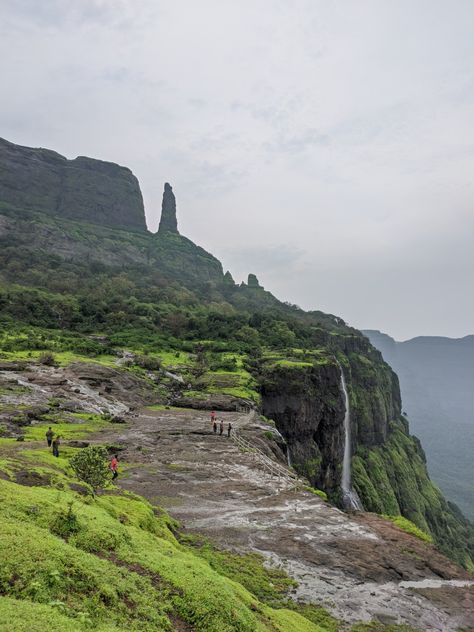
[{"x": 437, "y": 383}]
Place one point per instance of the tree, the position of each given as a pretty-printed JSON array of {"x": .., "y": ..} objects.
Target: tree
[{"x": 91, "y": 466}]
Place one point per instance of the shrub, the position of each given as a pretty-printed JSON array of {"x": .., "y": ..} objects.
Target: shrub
[
  {"x": 147, "y": 362},
  {"x": 47, "y": 358},
  {"x": 91, "y": 466},
  {"x": 65, "y": 523}
]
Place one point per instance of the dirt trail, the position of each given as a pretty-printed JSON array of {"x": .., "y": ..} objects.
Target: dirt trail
[{"x": 353, "y": 565}]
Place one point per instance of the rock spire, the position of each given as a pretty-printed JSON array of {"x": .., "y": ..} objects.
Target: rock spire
[{"x": 168, "y": 221}]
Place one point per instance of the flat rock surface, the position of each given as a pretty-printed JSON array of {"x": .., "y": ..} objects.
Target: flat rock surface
[{"x": 353, "y": 565}]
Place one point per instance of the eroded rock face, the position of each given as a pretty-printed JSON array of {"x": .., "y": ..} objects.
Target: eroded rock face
[
  {"x": 168, "y": 221},
  {"x": 81, "y": 189},
  {"x": 307, "y": 406}
]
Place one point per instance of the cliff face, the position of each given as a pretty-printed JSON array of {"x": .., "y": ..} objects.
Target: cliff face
[
  {"x": 307, "y": 406},
  {"x": 82, "y": 189},
  {"x": 388, "y": 466},
  {"x": 306, "y": 402}
]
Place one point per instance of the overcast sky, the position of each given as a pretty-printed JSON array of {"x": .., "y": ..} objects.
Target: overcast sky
[{"x": 327, "y": 146}]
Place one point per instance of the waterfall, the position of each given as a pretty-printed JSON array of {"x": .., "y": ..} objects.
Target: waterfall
[
  {"x": 350, "y": 497},
  {"x": 288, "y": 455}
]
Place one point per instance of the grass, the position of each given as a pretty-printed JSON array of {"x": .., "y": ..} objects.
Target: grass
[
  {"x": 122, "y": 567},
  {"x": 406, "y": 525},
  {"x": 87, "y": 423}
]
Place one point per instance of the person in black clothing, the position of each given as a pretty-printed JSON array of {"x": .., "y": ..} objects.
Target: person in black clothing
[
  {"x": 214, "y": 426},
  {"x": 229, "y": 429},
  {"x": 221, "y": 428}
]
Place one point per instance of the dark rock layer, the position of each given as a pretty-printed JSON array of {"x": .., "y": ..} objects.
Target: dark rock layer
[
  {"x": 307, "y": 406},
  {"x": 81, "y": 189}
]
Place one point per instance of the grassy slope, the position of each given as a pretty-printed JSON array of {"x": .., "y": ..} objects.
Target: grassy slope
[{"x": 116, "y": 566}]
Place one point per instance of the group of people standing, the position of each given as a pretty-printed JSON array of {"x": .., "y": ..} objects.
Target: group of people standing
[{"x": 215, "y": 425}]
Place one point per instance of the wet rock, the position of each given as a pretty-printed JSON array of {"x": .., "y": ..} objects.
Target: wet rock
[
  {"x": 31, "y": 479},
  {"x": 80, "y": 489},
  {"x": 117, "y": 419},
  {"x": 386, "y": 617},
  {"x": 213, "y": 402},
  {"x": 12, "y": 366},
  {"x": 78, "y": 444}
]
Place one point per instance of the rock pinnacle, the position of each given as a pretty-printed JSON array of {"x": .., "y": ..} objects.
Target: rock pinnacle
[{"x": 168, "y": 221}]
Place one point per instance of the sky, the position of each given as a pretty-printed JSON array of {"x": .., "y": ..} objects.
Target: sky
[{"x": 325, "y": 145}]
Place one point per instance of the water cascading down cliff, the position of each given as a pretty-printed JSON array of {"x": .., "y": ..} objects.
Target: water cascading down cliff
[{"x": 350, "y": 498}]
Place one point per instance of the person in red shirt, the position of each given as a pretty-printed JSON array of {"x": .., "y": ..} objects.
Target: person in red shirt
[{"x": 114, "y": 467}]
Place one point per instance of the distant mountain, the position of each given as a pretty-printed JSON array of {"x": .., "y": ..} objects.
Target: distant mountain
[{"x": 437, "y": 383}]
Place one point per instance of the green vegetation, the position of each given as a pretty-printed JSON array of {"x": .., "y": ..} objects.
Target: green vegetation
[
  {"x": 392, "y": 479},
  {"x": 91, "y": 467},
  {"x": 409, "y": 527},
  {"x": 115, "y": 564}
]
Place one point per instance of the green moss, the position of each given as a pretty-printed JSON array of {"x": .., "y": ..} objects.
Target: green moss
[
  {"x": 317, "y": 492},
  {"x": 400, "y": 465},
  {"x": 409, "y": 527},
  {"x": 269, "y": 585}
]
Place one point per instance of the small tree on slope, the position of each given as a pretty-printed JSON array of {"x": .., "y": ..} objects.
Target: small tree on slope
[{"x": 91, "y": 466}]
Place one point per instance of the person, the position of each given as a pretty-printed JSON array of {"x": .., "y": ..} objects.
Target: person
[
  {"x": 229, "y": 429},
  {"x": 49, "y": 436},
  {"x": 114, "y": 467},
  {"x": 56, "y": 443},
  {"x": 221, "y": 428},
  {"x": 213, "y": 416},
  {"x": 214, "y": 426}
]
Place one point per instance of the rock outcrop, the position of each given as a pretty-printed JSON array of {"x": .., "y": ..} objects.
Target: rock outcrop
[
  {"x": 307, "y": 406},
  {"x": 82, "y": 189},
  {"x": 252, "y": 281},
  {"x": 168, "y": 221}
]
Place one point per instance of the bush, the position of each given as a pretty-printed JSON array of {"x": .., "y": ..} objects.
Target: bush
[
  {"x": 47, "y": 358},
  {"x": 91, "y": 466},
  {"x": 65, "y": 523},
  {"x": 148, "y": 363}
]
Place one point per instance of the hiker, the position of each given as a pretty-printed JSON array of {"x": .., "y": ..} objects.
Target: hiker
[
  {"x": 214, "y": 426},
  {"x": 229, "y": 429},
  {"x": 213, "y": 416},
  {"x": 49, "y": 436},
  {"x": 221, "y": 428},
  {"x": 114, "y": 467},
  {"x": 56, "y": 443}
]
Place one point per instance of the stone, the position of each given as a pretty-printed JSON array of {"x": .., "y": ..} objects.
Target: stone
[
  {"x": 228, "y": 278},
  {"x": 168, "y": 221},
  {"x": 252, "y": 281},
  {"x": 81, "y": 189}
]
